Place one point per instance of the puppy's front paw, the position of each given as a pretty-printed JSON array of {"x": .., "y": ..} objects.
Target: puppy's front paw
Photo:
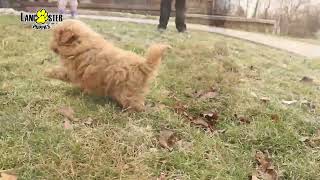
[
  {"x": 138, "y": 108},
  {"x": 49, "y": 73},
  {"x": 134, "y": 108},
  {"x": 57, "y": 73}
]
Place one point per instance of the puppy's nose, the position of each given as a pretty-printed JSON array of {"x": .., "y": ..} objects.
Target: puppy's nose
[{"x": 55, "y": 50}]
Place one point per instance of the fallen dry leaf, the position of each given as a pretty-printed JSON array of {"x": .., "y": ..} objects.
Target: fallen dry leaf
[
  {"x": 243, "y": 119},
  {"x": 254, "y": 94},
  {"x": 221, "y": 131},
  {"x": 67, "y": 124},
  {"x": 306, "y": 79},
  {"x": 187, "y": 115},
  {"x": 211, "y": 118},
  {"x": 150, "y": 104},
  {"x": 161, "y": 106},
  {"x": 190, "y": 93},
  {"x": 210, "y": 115},
  {"x": 265, "y": 170},
  {"x": 275, "y": 117},
  {"x": 208, "y": 95},
  {"x": 5, "y": 176},
  {"x": 184, "y": 145},
  {"x": 88, "y": 121},
  {"x": 314, "y": 141},
  {"x": 208, "y": 123},
  {"x": 289, "y": 102},
  {"x": 162, "y": 176},
  {"x": 265, "y": 99},
  {"x": 204, "y": 95},
  {"x": 68, "y": 112},
  {"x": 263, "y": 161},
  {"x": 201, "y": 122},
  {"x": 167, "y": 139},
  {"x": 197, "y": 94},
  {"x": 180, "y": 108},
  {"x": 310, "y": 105},
  {"x": 306, "y": 103},
  {"x": 304, "y": 139},
  {"x": 271, "y": 174}
]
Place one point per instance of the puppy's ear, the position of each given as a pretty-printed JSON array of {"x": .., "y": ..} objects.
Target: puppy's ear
[{"x": 66, "y": 36}]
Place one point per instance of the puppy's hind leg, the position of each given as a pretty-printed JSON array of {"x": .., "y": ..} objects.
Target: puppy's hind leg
[
  {"x": 130, "y": 103},
  {"x": 59, "y": 73}
]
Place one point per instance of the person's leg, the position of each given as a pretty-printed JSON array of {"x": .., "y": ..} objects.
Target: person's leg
[
  {"x": 181, "y": 15},
  {"x": 165, "y": 11},
  {"x": 73, "y": 7},
  {"x": 62, "y": 6}
]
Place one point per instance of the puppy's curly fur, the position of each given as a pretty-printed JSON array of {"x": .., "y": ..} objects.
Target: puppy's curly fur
[{"x": 96, "y": 66}]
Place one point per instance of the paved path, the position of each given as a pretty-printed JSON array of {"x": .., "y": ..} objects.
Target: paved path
[{"x": 304, "y": 49}]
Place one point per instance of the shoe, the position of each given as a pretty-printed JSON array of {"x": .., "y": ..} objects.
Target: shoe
[
  {"x": 74, "y": 15},
  {"x": 161, "y": 30},
  {"x": 182, "y": 30}
]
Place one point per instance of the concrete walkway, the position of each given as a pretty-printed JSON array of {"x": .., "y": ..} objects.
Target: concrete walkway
[{"x": 300, "y": 48}]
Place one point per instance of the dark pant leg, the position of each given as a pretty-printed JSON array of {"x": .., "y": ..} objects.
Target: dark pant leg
[
  {"x": 165, "y": 11},
  {"x": 181, "y": 15}
]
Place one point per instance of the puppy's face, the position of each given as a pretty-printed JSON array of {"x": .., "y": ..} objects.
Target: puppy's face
[{"x": 64, "y": 41}]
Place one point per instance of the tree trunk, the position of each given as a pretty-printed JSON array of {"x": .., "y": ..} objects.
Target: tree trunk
[
  {"x": 210, "y": 7},
  {"x": 256, "y": 9},
  {"x": 266, "y": 10},
  {"x": 247, "y": 9},
  {"x": 217, "y": 7}
]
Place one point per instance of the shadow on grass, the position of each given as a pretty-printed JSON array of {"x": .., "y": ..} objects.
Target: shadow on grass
[{"x": 92, "y": 100}]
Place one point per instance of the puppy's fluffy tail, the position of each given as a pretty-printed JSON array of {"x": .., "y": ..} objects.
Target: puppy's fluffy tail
[{"x": 153, "y": 58}]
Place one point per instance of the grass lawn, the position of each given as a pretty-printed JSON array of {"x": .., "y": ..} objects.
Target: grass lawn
[{"x": 35, "y": 145}]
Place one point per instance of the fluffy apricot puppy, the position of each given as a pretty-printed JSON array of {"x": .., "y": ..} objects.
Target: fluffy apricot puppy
[{"x": 97, "y": 66}]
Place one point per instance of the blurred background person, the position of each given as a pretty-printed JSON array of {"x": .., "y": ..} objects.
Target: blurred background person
[
  {"x": 165, "y": 11},
  {"x": 62, "y": 5}
]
